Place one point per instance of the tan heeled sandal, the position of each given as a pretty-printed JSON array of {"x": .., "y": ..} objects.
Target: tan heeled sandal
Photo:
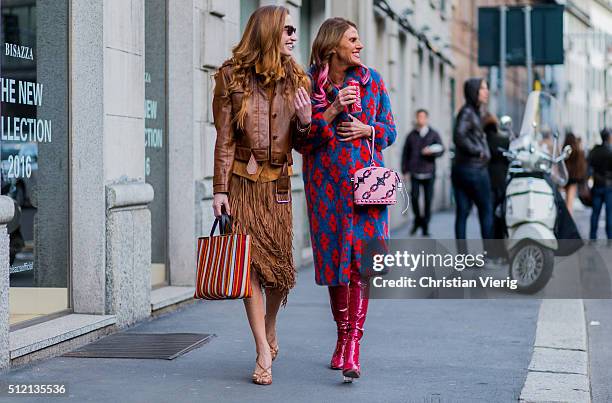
[
  {"x": 264, "y": 377},
  {"x": 274, "y": 351}
]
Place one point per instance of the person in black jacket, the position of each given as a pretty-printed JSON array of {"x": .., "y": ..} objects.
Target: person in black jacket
[
  {"x": 600, "y": 161},
  {"x": 497, "y": 140},
  {"x": 423, "y": 145},
  {"x": 470, "y": 178}
]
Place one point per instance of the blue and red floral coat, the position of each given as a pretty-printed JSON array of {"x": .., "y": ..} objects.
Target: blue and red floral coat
[{"x": 338, "y": 228}]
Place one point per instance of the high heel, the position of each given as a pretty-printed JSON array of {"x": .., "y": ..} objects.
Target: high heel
[
  {"x": 338, "y": 299},
  {"x": 358, "y": 308},
  {"x": 264, "y": 377},
  {"x": 274, "y": 351},
  {"x": 273, "y": 348}
]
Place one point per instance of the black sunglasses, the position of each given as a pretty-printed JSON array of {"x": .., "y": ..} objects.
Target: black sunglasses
[{"x": 290, "y": 29}]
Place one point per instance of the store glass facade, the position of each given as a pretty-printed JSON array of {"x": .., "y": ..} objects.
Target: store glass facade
[
  {"x": 35, "y": 153},
  {"x": 156, "y": 152}
]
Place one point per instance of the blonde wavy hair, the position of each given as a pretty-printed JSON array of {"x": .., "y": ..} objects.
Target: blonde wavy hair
[{"x": 258, "y": 57}]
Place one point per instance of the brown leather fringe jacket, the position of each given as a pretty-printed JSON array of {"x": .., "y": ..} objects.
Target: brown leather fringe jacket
[{"x": 267, "y": 135}]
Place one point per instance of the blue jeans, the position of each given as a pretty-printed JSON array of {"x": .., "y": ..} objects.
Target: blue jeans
[
  {"x": 471, "y": 186},
  {"x": 601, "y": 195}
]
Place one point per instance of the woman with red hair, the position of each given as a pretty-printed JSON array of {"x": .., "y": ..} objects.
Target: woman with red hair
[{"x": 260, "y": 103}]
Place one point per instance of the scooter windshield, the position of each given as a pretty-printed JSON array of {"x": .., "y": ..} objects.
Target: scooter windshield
[{"x": 540, "y": 139}]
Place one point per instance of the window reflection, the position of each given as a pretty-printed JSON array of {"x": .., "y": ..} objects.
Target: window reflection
[
  {"x": 34, "y": 152},
  {"x": 155, "y": 132}
]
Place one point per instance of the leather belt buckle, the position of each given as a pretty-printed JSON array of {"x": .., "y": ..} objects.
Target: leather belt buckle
[{"x": 282, "y": 197}]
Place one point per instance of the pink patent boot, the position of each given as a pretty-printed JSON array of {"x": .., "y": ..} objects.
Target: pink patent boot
[
  {"x": 358, "y": 308},
  {"x": 338, "y": 299}
]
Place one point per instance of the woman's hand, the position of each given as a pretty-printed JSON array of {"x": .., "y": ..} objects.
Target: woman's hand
[
  {"x": 353, "y": 130},
  {"x": 303, "y": 107},
  {"x": 220, "y": 201},
  {"x": 346, "y": 96}
]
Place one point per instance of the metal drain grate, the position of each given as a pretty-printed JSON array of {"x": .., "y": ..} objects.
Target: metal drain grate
[{"x": 166, "y": 346}]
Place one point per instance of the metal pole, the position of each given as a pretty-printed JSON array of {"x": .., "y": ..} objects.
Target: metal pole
[
  {"x": 502, "y": 61},
  {"x": 528, "y": 55},
  {"x": 587, "y": 73},
  {"x": 608, "y": 65}
]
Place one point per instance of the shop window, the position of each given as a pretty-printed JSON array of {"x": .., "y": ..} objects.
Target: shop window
[
  {"x": 34, "y": 138},
  {"x": 312, "y": 15},
  {"x": 156, "y": 139},
  {"x": 247, "y": 7}
]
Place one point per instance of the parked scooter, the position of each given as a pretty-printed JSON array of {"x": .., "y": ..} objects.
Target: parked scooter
[{"x": 531, "y": 209}]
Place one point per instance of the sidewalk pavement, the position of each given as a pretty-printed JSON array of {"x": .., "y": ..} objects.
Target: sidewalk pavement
[
  {"x": 413, "y": 350},
  {"x": 598, "y": 315}
]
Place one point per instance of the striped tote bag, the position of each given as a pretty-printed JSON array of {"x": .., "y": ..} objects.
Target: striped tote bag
[{"x": 224, "y": 263}]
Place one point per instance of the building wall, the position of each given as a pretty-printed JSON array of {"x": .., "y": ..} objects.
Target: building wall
[
  {"x": 582, "y": 79},
  {"x": 579, "y": 84},
  {"x": 465, "y": 54},
  {"x": 387, "y": 48},
  {"x": 110, "y": 222}
]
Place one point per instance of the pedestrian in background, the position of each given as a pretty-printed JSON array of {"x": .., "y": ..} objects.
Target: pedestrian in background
[
  {"x": 600, "y": 162},
  {"x": 469, "y": 175},
  {"x": 576, "y": 165},
  {"x": 423, "y": 145},
  {"x": 498, "y": 140},
  {"x": 260, "y": 102},
  {"x": 337, "y": 146}
]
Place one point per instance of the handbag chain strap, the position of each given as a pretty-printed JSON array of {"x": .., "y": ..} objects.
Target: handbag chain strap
[
  {"x": 400, "y": 183},
  {"x": 371, "y": 148}
]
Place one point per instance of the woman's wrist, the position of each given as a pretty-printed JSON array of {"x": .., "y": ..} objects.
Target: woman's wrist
[
  {"x": 371, "y": 132},
  {"x": 337, "y": 107},
  {"x": 302, "y": 127}
]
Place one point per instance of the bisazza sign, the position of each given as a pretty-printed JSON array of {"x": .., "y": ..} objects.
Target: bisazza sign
[
  {"x": 22, "y": 52},
  {"x": 23, "y": 129},
  {"x": 34, "y": 152}
]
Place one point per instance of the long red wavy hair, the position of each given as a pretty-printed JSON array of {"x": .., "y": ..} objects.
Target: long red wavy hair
[{"x": 258, "y": 57}]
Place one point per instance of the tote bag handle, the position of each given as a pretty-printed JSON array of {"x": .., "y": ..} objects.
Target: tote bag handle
[{"x": 225, "y": 226}]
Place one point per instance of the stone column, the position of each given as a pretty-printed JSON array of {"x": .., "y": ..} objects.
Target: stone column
[
  {"x": 87, "y": 198},
  {"x": 128, "y": 251},
  {"x": 128, "y": 219},
  {"x": 7, "y": 210},
  {"x": 182, "y": 141},
  {"x": 111, "y": 223}
]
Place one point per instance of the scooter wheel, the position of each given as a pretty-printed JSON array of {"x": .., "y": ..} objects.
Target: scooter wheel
[{"x": 531, "y": 265}]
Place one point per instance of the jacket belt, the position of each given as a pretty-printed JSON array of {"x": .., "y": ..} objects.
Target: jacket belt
[
  {"x": 263, "y": 154},
  {"x": 279, "y": 158},
  {"x": 244, "y": 154},
  {"x": 283, "y": 186}
]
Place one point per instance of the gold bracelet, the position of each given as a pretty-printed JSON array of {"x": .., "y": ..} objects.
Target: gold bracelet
[{"x": 303, "y": 128}]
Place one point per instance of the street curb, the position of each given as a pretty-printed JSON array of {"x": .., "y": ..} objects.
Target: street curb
[{"x": 558, "y": 371}]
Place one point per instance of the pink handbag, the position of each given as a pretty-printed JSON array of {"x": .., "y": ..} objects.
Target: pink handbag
[{"x": 377, "y": 185}]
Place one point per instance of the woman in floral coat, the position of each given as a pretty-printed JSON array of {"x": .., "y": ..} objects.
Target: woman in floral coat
[{"x": 336, "y": 146}]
